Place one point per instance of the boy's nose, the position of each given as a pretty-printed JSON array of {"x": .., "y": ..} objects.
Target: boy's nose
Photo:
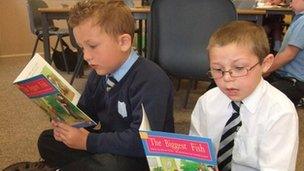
[
  {"x": 86, "y": 56},
  {"x": 227, "y": 76}
]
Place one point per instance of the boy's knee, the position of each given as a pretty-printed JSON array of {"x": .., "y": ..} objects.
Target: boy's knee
[{"x": 44, "y": 139}]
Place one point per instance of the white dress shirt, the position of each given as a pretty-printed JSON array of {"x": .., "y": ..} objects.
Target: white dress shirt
[{"x": 268, "y": 138}]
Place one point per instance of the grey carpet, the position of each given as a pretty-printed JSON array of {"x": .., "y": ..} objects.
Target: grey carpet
[{"x": 21, "y": 121}]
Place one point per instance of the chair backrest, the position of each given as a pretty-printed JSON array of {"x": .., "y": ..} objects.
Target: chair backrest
[
  {"x": 35, "y": 16},
  {"x": 180, "y": 31}
]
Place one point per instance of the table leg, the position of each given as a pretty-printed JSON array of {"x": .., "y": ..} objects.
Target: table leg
[
  {"x": 46, "y": 40},
  {"x": 249, "y": 17}
]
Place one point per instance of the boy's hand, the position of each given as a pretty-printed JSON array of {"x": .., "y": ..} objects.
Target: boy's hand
[
  {"x": 55, "y": 131},
  {"x": 72, "y": 137},
  {"x": 274, "y": 2}
]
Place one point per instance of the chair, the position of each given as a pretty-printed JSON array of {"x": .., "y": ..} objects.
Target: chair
[
  {"x": 180, "y": 31},
  {"x": 78, "y": 71},
  {"x": 36, "y": 27}
]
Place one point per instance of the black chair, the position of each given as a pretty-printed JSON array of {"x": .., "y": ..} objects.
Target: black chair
[
  {"x": 36, "y": 27},
  {"x": 180, "y": 31},
  {"x": 78, "y": 71}
]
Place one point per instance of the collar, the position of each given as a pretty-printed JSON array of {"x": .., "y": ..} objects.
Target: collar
[
  {"x": 226, "y": 100},
  {"x": 297, "y": 16},
  {"x": 255, "y": 97},
  {"x": 125, "y": 67},
  {"x": 301, "y": 13}
]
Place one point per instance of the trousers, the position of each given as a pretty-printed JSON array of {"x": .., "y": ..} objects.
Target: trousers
[
  {"x": 58, "y": 155},
  {"x": 291, "y": 87}
]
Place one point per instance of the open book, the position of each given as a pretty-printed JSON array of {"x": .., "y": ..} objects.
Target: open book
[
  {"x": 170, "y": 151},
  {"x": 50, "y": 91}
]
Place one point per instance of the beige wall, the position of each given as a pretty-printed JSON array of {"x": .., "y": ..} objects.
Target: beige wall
[{"x": 15, "y": 36}]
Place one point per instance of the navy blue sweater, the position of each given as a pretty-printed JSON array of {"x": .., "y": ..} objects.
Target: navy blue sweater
[{"x": 145, "y": 83}]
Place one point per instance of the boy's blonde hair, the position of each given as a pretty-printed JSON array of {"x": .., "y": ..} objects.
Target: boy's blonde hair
[
  {"x": 113, "y": 16},
  {"x": 242, "y": 33}
]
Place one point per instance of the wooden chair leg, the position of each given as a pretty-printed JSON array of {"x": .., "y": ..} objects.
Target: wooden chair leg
[
  {"x": 57, "y": 41},
  {"x": 35, "y": 47},
  {"x": 195, "y": 84},
  {"x": 190, "y": 86},
  {"x": 178, "y": 84},
  {"x": 77, "y": 67},
  {"x": 63, "y": 55}
]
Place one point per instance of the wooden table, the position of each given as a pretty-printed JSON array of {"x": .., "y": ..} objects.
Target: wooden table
[
  {"x": 251, "y": 15},
  {"x": 143, "y": 13},
  {"x": 276, "y": 10},
  {"x": 63, "y": 14},
  {"x": 257, "y": 14}
]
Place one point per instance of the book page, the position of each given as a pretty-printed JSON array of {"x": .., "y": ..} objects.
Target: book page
[
  {"x": 33, "y": 68},
  {"x": 59, "y": 108},
  {"x": 145, "y": 124},
  {"x": 54, "y": 101},
  {"x": 37, "y": 66}
]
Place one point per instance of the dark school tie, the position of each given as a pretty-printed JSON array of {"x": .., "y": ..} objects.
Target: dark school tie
[
  {"x": 110, "y": 83},
  {"x": 227, "y": 140}
]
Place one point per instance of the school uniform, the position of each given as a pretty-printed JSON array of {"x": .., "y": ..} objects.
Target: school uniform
[
  {"x": 119, "y": 111},
  {"x": 268, "y": 137}
]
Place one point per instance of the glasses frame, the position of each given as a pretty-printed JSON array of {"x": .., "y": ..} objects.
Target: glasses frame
[{"x": 209, "y": 73}]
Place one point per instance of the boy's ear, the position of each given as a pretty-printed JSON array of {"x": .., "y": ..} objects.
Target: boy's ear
[
  {"x": 125, "y": 42},
  {"x": 267, "y": 62}
]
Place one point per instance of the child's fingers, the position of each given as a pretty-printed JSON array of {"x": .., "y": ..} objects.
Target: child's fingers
[
  {"x": 64, "y": 126},
  {"x": 61, "y": 131},
  {"x": 65, "y": 138},
  {"x": 54, "y": 123},
  {"x": 65, "y": 130},
  {"x": 56, "y": 135}
]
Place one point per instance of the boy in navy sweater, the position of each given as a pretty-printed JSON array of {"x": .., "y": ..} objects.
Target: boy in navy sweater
[{"x": 120, "y": 83}]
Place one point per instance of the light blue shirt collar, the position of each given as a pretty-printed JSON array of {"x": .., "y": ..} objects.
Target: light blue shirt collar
[
  {"x": 298, "y": 15},
  {"x": 125, "y": 67}
]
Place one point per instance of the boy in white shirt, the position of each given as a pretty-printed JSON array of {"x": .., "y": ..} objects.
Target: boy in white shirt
[
  {"x": 261, "y": 132},
  {"x": 287, "y": 70}
]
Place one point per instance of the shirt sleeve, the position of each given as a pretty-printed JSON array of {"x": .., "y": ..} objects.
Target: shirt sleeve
[
  {"x": 296, "y": 37},
  {"x": 195, "y": 128},
  {"x": 278, "y": 148}
]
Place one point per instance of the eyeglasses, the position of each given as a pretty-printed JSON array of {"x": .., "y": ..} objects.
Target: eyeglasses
[{"x": 234, "y": 72}]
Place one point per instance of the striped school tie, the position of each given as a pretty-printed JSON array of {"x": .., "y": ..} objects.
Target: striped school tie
[
  {"x": 227, "y": 140},
  {"x": 111, "y": 81}
]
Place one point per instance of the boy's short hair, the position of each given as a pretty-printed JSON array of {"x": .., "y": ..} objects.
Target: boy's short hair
[
  {"x": 113, "y": 16},
  {"x": 242, "y": 33}
]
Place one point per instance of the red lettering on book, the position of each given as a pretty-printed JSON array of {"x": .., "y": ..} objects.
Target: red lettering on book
[
  {"x": 38, "y": 87},
  {"x": 179, "y": 147}
]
